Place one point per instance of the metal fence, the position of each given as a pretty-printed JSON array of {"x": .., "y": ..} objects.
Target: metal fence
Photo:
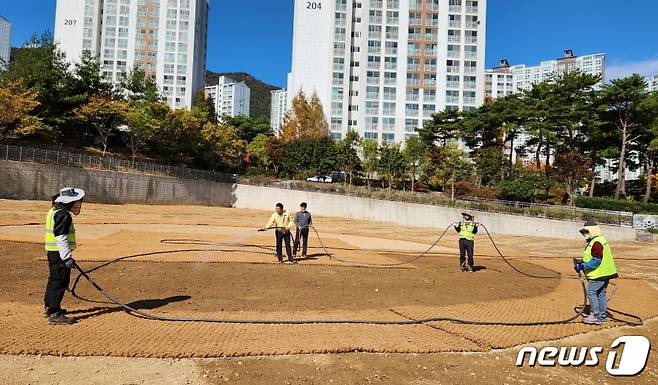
[
  {"x": 62, "y": 158},
  {"x": 619, "y": 218}
]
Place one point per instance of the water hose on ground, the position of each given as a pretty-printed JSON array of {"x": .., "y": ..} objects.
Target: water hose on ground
[{"x": 158, "y": 317}]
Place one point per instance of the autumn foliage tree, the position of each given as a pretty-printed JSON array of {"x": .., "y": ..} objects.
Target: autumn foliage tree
[
  {"x": 104, "y": 114},
  {"x": 305, "y": 119},
  {"x": 16, "y": 119}
]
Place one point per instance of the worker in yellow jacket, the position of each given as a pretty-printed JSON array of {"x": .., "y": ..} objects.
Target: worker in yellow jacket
[
  {"x": 599, "y": 267},
  {"x": 282, "y": 222}
]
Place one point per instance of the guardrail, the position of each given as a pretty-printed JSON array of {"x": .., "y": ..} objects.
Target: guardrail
[
  {"x": 63, "y": 158},
  {"x": 620, "y": 218}
]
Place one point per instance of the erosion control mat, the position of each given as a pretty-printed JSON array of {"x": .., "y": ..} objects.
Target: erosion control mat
[
  {"x": 288, "y": 292},
  {"x": 247, "y": 285}
]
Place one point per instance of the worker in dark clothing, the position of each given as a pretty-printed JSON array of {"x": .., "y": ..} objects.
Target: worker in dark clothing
[
  {"x": 599, "y": 267},
  {"x": 303, "y": 221},
  {"x": 467, "y": 229},
  {"x": 59, "y": 244}
]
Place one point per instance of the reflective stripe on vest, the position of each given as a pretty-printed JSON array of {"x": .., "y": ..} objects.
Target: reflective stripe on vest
[
  {"x": 607, "y": 266},
  {"x": 50, "y": 241},
  {"x": 467, "y": 230}
]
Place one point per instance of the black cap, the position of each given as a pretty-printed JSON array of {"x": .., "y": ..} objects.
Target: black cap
[{"x": 279, "y": 205}]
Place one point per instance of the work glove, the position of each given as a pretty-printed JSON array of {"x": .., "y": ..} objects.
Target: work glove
[
  {"x": 69, "y": 263},
  {"x": 579, "y": 267}
]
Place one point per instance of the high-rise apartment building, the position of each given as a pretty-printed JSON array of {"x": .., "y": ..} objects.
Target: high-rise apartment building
[
  {"x": 5, "y": 41},
  {"x": 652, "y": 83},
  {"x": 231, "y": 98},
  {"x": 505, "y": 79},
  {"x": 278, "y": 109},
  {"x": 165, "y": 37},
  {"x": 499, "y": 81},
  {"x": 384, "y": 67}
]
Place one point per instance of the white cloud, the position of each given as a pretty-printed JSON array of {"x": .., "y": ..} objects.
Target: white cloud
[{"x": 618, "y": 70}]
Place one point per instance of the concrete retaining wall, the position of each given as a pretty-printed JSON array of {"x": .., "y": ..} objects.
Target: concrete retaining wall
[
  {"x": 39, "y": 181},
  {"x": 410, "y": 214}
]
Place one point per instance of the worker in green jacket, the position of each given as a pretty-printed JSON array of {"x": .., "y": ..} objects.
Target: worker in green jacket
[
  {"x": 598, "y": 265},
  {"x": 467, "y": 229}
]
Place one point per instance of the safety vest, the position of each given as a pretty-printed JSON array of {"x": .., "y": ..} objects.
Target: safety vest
[
  {"x": 466, "y": 230},
  {"x": 51, "y": 242},
  {"x": 607, "y": 267}
]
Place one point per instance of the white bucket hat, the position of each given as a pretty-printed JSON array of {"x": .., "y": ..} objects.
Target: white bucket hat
[{"x": 70, "y": 195}]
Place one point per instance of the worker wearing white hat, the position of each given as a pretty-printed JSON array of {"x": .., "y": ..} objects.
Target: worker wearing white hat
[{"x": 59, "y": 244}]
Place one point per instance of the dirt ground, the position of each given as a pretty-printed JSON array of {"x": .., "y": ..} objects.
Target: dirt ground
[{"x": 232, "y": 274}]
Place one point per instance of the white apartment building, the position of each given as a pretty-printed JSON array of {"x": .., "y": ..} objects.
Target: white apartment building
[
  {"x": 499, "y": 81},
  {"x": 506, "y": 79},
  {"x": 165, "y": 37},
  {"x": 278, "y": 109},
  {"x": 384, "y": 67},
  {"x": 231, "y": 98},
  {"x": 652, "y": 83},
  {"x": 5, "y": 41}
]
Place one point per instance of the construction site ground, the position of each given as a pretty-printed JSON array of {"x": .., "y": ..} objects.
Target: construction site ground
[{"x": 216, "y": 265}]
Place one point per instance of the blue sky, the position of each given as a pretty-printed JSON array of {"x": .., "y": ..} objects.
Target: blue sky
[{"x": 255, "y": 36}]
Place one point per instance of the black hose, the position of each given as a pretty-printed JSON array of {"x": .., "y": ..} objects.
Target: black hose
[
  {"x": 147, "y": 315},
  {"x": 611, "y": 311},
  {"x": 358, "y": 263}
]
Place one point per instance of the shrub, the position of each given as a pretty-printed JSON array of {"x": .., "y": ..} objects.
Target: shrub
[
  {"x": 520, "y": 189},
  {"x": 616, "y": 205}
]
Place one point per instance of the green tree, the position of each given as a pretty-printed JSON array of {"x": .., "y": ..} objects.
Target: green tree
[
  {"x": 41, "y": 68},
  {"x": 444, "y": 127},
  {"x": 257, "y": 151},
  {"x": 370, "y": 154},
  {"x": 415, "y": 153},
  {"x": 249, "y": 128},
  {"x": 204, "y": 108},
  {"x": 88, "y": 78},
  {"x": 347, "y": 157},
  {"x": 224, "y": 146},
  {"x": 446, "y": 165},
  {"x": 622, "y": 98},
  {"x": 391, "y": 163},
  {"x": 309, "y": 156},
  {"x": 143, "y": 120},
  {"x": 104, "y": 114},
  {"x": 488, "y": 161},
  {"x": 646, "y": 145},
  {"x": 138, "y": 86},
  {"x": 572, "y": 168},
  {"x": 177, "y": 138}
]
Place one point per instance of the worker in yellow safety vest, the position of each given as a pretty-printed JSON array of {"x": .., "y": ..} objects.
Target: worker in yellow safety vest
[
  {"x": 59, "y": 243},
  {"x": 598, "y": 265},
  {"x": 467, "y": 229}
]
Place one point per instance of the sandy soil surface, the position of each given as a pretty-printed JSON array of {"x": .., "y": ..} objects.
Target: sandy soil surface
[{"x": 223, "y": 280}]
